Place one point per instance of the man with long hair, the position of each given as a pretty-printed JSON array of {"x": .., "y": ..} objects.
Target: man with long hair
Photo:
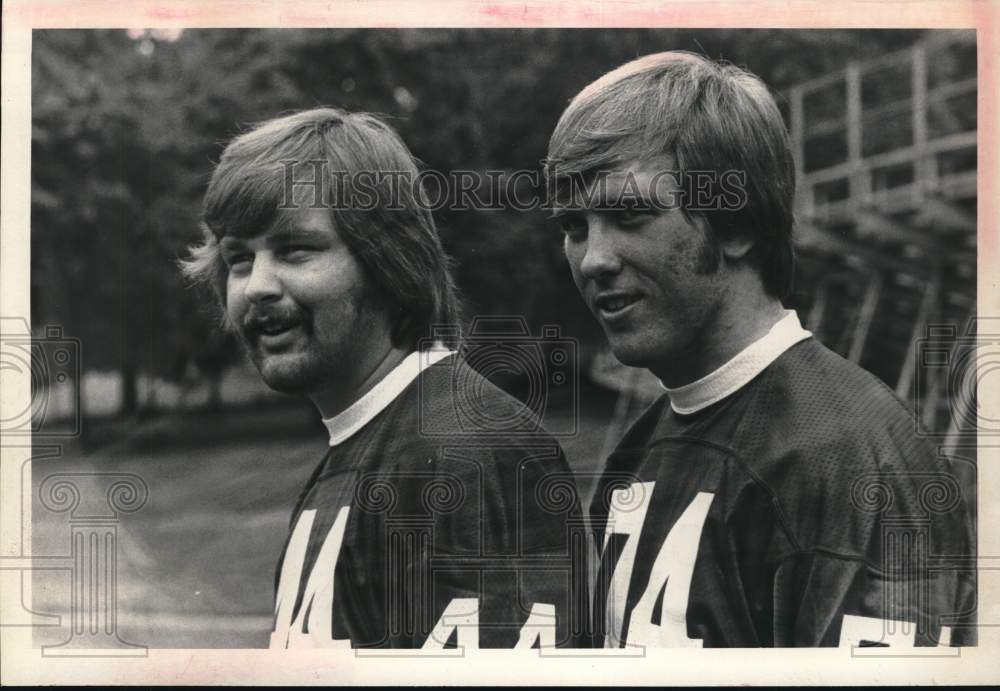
[{"x": 415, "y": 530}]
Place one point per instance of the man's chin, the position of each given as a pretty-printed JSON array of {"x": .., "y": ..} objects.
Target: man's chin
[
  {"x": 286, "y": 374},
  {"x": 629, "y": 353}
]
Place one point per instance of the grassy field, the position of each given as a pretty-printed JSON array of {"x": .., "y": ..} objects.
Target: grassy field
[{"x": 196, "y": 563}]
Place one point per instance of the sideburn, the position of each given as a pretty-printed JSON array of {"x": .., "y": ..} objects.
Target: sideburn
[{"x": 709, "y": 257}]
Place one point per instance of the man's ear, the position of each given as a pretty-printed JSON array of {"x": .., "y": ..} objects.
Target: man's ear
[{"x": 736, "y": 247}]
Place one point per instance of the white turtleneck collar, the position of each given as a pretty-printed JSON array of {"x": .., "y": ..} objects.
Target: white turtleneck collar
[
  {"x": 349, "y": 421},
  {"x": 736, "y": 373}
]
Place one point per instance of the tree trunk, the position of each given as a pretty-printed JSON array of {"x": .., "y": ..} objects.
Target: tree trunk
[
  {"x": 130, "y": 390},
  {"x": 215, "y": 393}
]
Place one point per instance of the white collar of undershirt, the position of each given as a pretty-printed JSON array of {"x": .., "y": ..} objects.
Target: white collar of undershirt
[
  {"x": 736, "y": 373},
  {"x": 348, "y": 422}
]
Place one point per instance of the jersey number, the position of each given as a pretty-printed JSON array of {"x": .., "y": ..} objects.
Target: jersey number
[
  {"x": 313, "y": 624},
  {"x": 317, "y": 601},
  {"x": 860, "y": 632},
  {"x": 462, "y": 615},
  {"x": 670, "y": 576}
]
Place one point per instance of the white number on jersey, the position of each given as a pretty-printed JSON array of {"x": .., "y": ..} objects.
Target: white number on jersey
[
  {"x": 317, "y": 601},
  {"x": 856, "y": 631},
  {"x": 627, "y": 512},
  {"x": 463, "y": 614},
  {"x": 671, "y": 573},
  {"x": 540, "y": 627}
]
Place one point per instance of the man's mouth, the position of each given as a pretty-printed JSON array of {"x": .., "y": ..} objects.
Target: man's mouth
[
  {"x": 275, "y": 329},
  {"x": 273, "y": 333},
  {"x": 613, "y": 304},
  {"x": 277, "y": 337}
]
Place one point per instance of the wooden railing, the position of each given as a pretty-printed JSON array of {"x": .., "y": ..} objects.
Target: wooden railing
[
  {"x": 887, "y": 133},
  {"x": 886, "y": 155}
]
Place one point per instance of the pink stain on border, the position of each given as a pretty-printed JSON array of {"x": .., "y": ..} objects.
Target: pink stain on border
[
  {"x": 501, "y": 13},
  {"x": 166, "y": 12},
  {"x": 790, "y": 14}
]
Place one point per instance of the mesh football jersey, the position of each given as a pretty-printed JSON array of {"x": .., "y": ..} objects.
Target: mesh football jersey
[
  {"x": 422, "y": 530},
  {"x": 801, "y": 510}
]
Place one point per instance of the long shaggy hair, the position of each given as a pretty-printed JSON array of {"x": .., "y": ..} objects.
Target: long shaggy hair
[{"x": 356, "y": 166}]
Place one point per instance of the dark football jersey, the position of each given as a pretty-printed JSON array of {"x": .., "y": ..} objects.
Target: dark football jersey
[
  {"x": 801, "y": 510},
  {"x": 424, "y": 531}
]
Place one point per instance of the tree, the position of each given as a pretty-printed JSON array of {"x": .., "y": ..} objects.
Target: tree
[{"x": 126, "y": 129}]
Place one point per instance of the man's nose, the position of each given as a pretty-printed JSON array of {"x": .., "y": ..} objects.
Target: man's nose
[
  {"x": 263, "y": 284},
  {"x": 601, "y": 257}
]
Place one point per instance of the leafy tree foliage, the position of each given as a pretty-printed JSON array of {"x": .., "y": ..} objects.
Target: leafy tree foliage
[{"x": 126, "y": 128}]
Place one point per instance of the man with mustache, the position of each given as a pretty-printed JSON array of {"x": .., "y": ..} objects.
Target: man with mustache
[
  {"x": 776, "y": 494},
  {"x": 415, "y": 530}
]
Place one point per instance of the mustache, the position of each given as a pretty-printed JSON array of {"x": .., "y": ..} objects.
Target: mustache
[{"x": 269, "y": 317}]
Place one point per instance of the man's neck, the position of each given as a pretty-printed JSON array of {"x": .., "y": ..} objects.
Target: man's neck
[
  {"x": 737, "y": 326},
  {"x": 334, "y": 400}
]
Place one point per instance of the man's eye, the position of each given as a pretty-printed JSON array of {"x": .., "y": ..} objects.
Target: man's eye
[
  {"x": 238, "y": 262},
  {"x": 572, "y": 226},
  {"x": 296, "y": 252},
  {"x": 633, "y": 213}
]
